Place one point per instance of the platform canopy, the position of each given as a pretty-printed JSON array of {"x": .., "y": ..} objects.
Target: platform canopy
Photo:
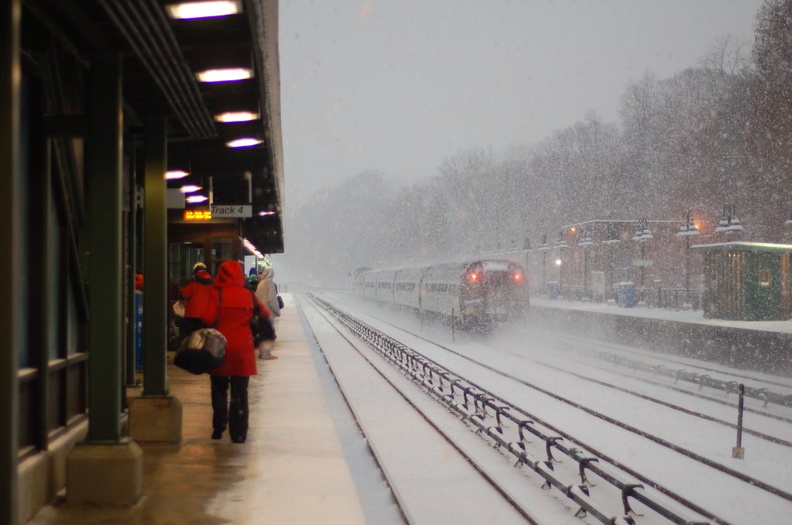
[
  {"x": 744, "y": 247},
  {"x": 163, "y": 54}
]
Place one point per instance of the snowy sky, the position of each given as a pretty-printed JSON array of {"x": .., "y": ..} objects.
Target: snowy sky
[{"x": 399, "y": 85}]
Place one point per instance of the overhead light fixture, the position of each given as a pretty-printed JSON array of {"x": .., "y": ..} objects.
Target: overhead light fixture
[
  {"x": 195, "y": 199},
  {"x": 561, "y": 243},
  {"x": 190, "y": 188},
  {"x": 244, "y": 142},
  {"x": 206, "y": 9},
  {"x": 229, "y": 74},
  {"x": 266, "y": 213},
  {"x": 237, "y": 116},
  {"x": 252, "y": 248},
  {"x": 175, "y": 174},
  {"x": 687, "y": 230}
]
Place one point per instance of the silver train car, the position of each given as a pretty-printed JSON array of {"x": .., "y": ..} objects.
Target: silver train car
[{"x": 475, "y": 295}]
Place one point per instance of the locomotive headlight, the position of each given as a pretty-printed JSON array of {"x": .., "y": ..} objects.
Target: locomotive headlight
[
  {"x": 473, "y": 277},
  {"x": 518, "y": 277}
]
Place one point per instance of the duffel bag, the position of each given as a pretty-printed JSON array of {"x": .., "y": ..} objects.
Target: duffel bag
[{"x": 201, "y": 352}]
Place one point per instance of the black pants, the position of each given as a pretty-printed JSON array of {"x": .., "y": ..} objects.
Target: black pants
[{"x": 234, "y": 415}]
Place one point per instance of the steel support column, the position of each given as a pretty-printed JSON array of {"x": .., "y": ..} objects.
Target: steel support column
[
  {"x": 10, "y": 237},
  {"x": 40, "y": 259},
  {"x": 155, "y": 259},
  {"x": 132, "y": 268},
  {"x": 106, "y": 263}
]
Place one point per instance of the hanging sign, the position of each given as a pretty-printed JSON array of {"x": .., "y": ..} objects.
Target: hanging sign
[
  {"x": 197, "y": 215},
  {"x": 231, "y": 210}
]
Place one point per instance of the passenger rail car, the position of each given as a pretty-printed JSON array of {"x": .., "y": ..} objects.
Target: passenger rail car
[{"x": 477, "y": 295}]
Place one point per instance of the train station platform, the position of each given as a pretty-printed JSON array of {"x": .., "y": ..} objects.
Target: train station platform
[
  {"x": 292, "y": 470},
  {"x": 302, "y": 463}
]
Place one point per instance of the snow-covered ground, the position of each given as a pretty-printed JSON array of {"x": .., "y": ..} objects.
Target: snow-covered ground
[{"x": 506, "y": 363}]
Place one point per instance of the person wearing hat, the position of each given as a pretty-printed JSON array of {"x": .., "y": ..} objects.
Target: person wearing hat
[
  {"x": 231, "y": 310},
  {"x": 195, "y": 297},
  {"x": 252, "y": 282},
  {"x": 267, "y": 292}
]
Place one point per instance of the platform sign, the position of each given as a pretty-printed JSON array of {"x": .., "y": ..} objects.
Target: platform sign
[
  {"x": 220, "y": 211},
  {"x": 642, "y": 262}
]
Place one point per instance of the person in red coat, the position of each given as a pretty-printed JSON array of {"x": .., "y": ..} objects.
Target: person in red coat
[
  {"x": 230, "y": 313},
  {"x": 196, "y": 297}
]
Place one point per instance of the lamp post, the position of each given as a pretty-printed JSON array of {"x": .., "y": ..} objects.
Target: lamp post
[
  {"x": 585, "y": 243},
  {"x": 687, "y": 230},
  {"x": 544, "y": 248},
  {"x": 611, "y": 240},
  {"x": 561, "y": 244},
  {"x": 729, "y": 223},
  {"x": 641, "y": 237}
]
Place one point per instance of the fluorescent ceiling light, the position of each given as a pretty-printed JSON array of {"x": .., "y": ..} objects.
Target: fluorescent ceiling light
[
  {"x": 175, "y": 174},
  {"x": 252, "y": 248},
  {"x": 237, "y": 116},
  {"x": 244, "y": 143},
  {"x": 190, "y": 188},
  {"x": 231, "y": 74},
  {"x": 209, "y": 9},
  {"x": 194, "y": 199}
]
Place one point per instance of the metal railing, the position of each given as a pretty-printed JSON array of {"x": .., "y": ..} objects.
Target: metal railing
[{"x": 513, "y": 430}]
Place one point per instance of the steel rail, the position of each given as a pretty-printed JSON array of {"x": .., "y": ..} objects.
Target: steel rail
[
  {"x": 690, "y": 412},
  {"x": 681, "y": 450},
  {"x": 697, "y": 394},
  {"x": 761, "y": 393},
  {"x": 515, "y": 504},
  {"x": 475, "y": 406}
]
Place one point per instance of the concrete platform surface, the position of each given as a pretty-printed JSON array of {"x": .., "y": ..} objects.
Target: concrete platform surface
[{"x": 292, "y": 470}]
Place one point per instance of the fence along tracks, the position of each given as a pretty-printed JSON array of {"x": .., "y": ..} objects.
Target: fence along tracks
[{"x": 525, "y": 437}]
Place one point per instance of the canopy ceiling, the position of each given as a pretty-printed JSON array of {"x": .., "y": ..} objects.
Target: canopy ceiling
[{"x": 161, "y": 57}]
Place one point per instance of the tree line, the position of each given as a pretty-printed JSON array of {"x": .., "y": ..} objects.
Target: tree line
[{"x": 716, "y": 134}]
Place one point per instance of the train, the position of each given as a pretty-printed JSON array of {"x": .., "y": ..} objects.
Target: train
[{"x": 473, "y": 295}]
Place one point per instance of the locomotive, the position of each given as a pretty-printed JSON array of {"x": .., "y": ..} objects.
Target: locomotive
[{"x": 475, "y": 295}]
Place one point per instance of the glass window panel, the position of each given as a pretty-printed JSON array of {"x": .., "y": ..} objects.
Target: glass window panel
[
  {"x": 222, "y": 249},
  {"x": 72, "y": 324}
]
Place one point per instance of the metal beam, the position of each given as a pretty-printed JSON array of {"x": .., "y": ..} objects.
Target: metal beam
[
  {"x": 106, "y": 263},
  {"x": 10, "y": 235},
  {"x": 155, "y": 259}
]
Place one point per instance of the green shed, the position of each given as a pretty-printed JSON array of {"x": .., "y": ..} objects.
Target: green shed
[{"x": 746, "y": 281}]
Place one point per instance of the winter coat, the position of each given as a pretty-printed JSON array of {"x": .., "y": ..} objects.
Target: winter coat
[
  {"x": 198, "y": 294},
  {"x": 233, "y": 320},
  {"x": 268, "y": 292}
]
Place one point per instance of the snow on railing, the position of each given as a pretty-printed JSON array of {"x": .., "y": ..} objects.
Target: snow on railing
[{"x": 512, "y": 429}]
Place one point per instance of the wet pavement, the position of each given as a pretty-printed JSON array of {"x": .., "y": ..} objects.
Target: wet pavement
[{"x": 291, "y": 470}]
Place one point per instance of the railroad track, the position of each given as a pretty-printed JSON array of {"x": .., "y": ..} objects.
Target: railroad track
[
  {"x": 771, "y": 391},
  {"x": 619, "y": 368},
  {"x": 533, "y": 442}
]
